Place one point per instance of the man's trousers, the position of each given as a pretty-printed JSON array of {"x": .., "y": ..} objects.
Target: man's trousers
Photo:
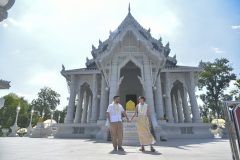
[{"x": 116, "y": 130}]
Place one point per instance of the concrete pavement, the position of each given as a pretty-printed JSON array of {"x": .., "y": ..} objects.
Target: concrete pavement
[{"x": 23, "y": 148}]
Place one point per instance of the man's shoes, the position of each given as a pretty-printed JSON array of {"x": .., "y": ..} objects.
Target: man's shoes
[
  {"x": 115, "y": 149},
  {"x": 142, "y": 149},
  {"x": 120, "y": 149}
]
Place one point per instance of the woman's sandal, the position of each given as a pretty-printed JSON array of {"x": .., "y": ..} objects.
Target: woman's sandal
[
  {"x": 142, "y": 149},
  {"x": 152, "y": 149}
]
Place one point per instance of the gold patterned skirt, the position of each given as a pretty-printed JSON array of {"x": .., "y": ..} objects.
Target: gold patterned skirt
[{"x": 144, "y": 133}]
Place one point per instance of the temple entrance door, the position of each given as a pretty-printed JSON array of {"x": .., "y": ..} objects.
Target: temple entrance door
[
  {"x": 131, "y": 87},
  {"x": 132, "y": 97}
]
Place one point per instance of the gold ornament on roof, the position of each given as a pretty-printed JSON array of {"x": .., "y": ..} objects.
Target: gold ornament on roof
[{"x": 130, "y": 106}]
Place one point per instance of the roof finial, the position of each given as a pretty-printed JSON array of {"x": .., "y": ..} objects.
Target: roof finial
[{"x": 129, "y": 8}]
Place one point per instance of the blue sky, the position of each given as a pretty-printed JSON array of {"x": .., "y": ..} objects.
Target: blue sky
[{"x": 41, "y": 35}]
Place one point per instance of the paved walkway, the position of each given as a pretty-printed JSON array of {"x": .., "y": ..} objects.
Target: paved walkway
[{"x": 22, "y": 148}]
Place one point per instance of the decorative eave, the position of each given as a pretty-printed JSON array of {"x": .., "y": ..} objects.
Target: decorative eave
[
  {"x": 90, "y": 63},
  {"x": 182, "y": 69},
  {"x": 4, "y": 84},
  {"x": 80, "y": 71},
  {"x": 173, "y": 60}
]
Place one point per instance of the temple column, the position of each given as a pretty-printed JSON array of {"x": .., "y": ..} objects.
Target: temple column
[
  {"x": 89, "y": 111},
  {"x": 174, "y": 109},
  {"x": 94, "y": 113},
  {"x": 79, "y": 108},
  {"x": 113, "y": 81},
  {"x": 194, "y": 106},
  {"x": 186, "y": 109},
  {"x": 104, "y": 100},
  {"x": 84, "y": 114},
  {"x": 148, "y": 89},
  {"x": 179, "y": 107},
  {"x": 71, "y": 102},
  {"x": 168, "y": 104},
  {"x": 158, "y": 99}
]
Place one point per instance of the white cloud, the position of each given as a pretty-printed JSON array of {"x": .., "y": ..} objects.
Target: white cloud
[
  {"x": 19, "y": 24},
  {"x": 44, "y": 78},
  {"x": 235, "y": 27},
  {"x": 217, "y": 50}
]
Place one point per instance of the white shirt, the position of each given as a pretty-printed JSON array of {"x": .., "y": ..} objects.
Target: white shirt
[{"x": 115, "y": 111}]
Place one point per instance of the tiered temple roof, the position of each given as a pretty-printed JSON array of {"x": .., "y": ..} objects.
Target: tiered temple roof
[
  {"x": 171, "y": 62},
  {"x": 146, "y": 34}
]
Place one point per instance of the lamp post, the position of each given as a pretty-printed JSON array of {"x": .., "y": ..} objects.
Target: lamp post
[
  {"x": 18, "y": 109},
  {"x": 4, "y": 6},
  {"x": 15, "y": 127},
  {"x": 51, "y": 115},
  {"x": 29, "y": 129},
  {"x": 43, "y": 113},
  {"x": 50, "y": 126},
  {"x": 58, "y": 117}
]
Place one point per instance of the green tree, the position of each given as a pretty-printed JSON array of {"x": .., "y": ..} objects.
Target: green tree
[
  {"x": 58, "y": 116},
  {"x": 215, "y": 77},
  {"x": 8, "y": 112},
  {"x": 204, "y": 111},
  {"x": 236, "y": 92},
  {"x": 47, "y": 100}
]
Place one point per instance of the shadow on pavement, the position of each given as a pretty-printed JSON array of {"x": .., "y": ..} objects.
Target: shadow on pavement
[
  {"x": 152, "y": 153},
  {"x": 118, "y": 152}
]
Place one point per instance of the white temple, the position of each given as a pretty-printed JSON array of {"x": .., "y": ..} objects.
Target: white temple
[{"x": 131, "y": 63}]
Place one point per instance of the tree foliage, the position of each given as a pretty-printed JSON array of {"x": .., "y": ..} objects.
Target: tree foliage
[
  {"x": 236, "y": 92},
  {"x": 215, "y": 78},
  {"x": 8, "y": 112},
  {"x": 47, "y": 101}
]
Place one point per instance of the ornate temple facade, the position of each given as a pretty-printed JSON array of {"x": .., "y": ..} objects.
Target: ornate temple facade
[{"x": 131, "y": 63}]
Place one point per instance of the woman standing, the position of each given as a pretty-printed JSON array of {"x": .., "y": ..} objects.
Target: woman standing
[{"x": 143, "y": 122}]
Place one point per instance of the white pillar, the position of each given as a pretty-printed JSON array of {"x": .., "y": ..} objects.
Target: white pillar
[
  {"x": 168, "y": 104},
  {"x": 71, "y": 102},
  {"x": 79, "y": 108},
  {"x": 174, "y": 108},
  {"x": 113, "y": 81},
  {"x": 158, "y": 99},
  {"x": 84, "y": 114},
  {"x": 89, "y": 109},
  {"x": 194, "y": 106},
  {"x": 104, "y": 100},
  {"x": 186, "y": 109},
  {"x": 179, "y": 107},
  {"x": 149, "y": 90},
  {"x": 94, "y": 113}
]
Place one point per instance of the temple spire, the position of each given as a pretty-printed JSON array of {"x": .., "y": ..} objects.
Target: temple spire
[{"x": 129, "y": 8}]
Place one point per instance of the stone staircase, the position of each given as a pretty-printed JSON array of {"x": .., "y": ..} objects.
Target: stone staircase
[{"x": 130, "y": 135}]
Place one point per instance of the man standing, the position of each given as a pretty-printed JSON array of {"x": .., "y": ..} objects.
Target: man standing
[{"x": 114, "y": 114}]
